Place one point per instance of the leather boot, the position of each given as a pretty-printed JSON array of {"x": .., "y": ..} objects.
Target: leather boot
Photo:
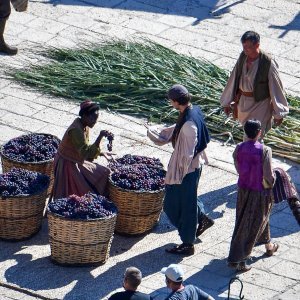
[
  {"x": 205, "y": 224},
  {"x": 4, "y": 48}
]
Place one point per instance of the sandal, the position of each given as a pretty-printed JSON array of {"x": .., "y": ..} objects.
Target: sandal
[
  {"x": 243, "y": 267},
  {"x": 270, "y": 252},
  {"x": 183, "y": 249},
  {"x": 232, "y": 265}
]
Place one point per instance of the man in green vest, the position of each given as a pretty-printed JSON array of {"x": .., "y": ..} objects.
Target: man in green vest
[
  {"x": 4, "y": 15},
  {"x": 254, "y": 89}
]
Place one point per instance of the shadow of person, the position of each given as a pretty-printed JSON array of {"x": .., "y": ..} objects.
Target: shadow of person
[
  {"x": 216, "y": 198},
  {"x": 293, "y": 25},
  {"x": 283, "y": 224},
  {"x": 122, "y": 243}
]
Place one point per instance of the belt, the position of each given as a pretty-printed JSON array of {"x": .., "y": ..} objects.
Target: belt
[{"x": 247, "y": 94}]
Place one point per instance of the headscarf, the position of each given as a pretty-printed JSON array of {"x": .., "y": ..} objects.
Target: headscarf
[{"x": 87, "y": 106}]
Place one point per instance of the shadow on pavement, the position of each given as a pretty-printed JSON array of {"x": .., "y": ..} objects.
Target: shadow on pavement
[
  {"x": 200, "y": 10},
  {"x": 212, "y": 279},
  {"x": 41, "y": 274},
  {"x": 10, "y": 248},
  {"x": 293, "y": 25},
  {"x": 216, "y": 198}
]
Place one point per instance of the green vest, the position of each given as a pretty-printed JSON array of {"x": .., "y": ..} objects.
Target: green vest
[{"x": 261, "y": 82}]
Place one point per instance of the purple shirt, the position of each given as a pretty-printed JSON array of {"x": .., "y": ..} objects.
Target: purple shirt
[{"x": 250, "y": 166}]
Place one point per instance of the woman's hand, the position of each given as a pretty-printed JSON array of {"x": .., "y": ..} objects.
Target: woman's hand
[
  {"x": 108, "y": 155},
  {"x": 103, "y": 133}
]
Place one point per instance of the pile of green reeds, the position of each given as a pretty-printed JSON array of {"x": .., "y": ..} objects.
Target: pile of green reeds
[{"x": 133, "y": 77}]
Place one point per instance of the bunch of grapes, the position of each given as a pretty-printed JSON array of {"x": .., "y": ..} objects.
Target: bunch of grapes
[
  {"x": 21, "y": 182},
  {"x": 89, "y": 206},
  {"x": 138, "y": 177},
  {"x": 110, "y": 138},
  {"x": 31, "y": 148},
  {"x": 129, "y": 159}
]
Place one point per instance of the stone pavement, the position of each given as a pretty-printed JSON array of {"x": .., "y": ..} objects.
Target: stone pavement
[{"x": 209, "y": 29}]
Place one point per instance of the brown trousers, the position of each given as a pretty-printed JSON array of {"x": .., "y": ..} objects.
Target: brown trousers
[{"x": 4, "y": 9}]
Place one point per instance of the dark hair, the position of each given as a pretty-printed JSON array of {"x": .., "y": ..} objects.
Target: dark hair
[
  {"x": 133, "y": 276},
  {"x": 251, "y": 128},
  {"x": 89, "y": 110},
  {"x": 178, "y": 283},
  {"x": 183, "y": 100},
  {"x": 250, "y": 36}
]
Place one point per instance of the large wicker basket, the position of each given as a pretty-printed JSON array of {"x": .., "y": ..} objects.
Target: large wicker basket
[
  {"x": 138, "y": 211},
  {"x": 44, "y": 167},
  {"x": 80, "y": 242},
  {"x": 21, "y": 217}
]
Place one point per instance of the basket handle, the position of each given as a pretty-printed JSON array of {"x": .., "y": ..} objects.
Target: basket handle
[{"x": 242, "y": 286}]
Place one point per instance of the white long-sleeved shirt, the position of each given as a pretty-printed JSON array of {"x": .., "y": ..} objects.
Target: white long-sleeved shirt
[{"x": 182, "y": 160}]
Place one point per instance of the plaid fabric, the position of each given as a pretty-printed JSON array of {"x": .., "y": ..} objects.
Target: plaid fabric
[
  {"x": 283, "y": 188},
  {"x": 19, "y": 5}
]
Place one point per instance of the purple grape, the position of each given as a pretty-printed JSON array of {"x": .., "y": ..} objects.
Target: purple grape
[
  {"x": 21, "y": 182},
  {"x": 110, "y": 138},
  {"x": 138, "y": 177},
  {"x": 129, "y": 159},
  {"x": 89, "y": 206},
  {"x": 31, "y": 148}
]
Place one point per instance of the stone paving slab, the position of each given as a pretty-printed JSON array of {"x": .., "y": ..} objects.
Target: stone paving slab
[{"x": 188, "y": 27}]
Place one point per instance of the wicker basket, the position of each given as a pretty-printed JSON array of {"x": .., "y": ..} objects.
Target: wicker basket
[
  {"x": 44, "y": 167},
  {"x": 80, "y": 242},
  {"x": 138, "y": 211},
  {"x": 21, "y": 217}
]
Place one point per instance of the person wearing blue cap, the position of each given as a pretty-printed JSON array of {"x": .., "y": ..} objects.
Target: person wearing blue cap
[
  {"x": 174, "y": 281},
  {"x": 189, "y": 137}
]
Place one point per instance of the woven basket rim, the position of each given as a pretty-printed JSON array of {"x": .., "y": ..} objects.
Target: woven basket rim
[
  {"x": 79, "y": 220},
  {"x": 134, "y": 191},
  {"x": 27, "y": 162},
  {"x": 26, "y": 195}
]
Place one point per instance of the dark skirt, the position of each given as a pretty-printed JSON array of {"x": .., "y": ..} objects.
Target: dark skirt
[{"x": 252, "y": 223}]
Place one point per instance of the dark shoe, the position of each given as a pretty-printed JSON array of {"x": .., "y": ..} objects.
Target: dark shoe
[
  {"x": 4, "y": 48},
  {"x": 273, "y": 250},
  {"x": 243, "y": 267},
  {"x": 205, "y": 224},
  {"x": 183, "y": 249},
  {"x": 232, "y": 265}
]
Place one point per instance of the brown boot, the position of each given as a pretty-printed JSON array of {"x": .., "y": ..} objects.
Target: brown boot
[{"x": 4, "y": 48}]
